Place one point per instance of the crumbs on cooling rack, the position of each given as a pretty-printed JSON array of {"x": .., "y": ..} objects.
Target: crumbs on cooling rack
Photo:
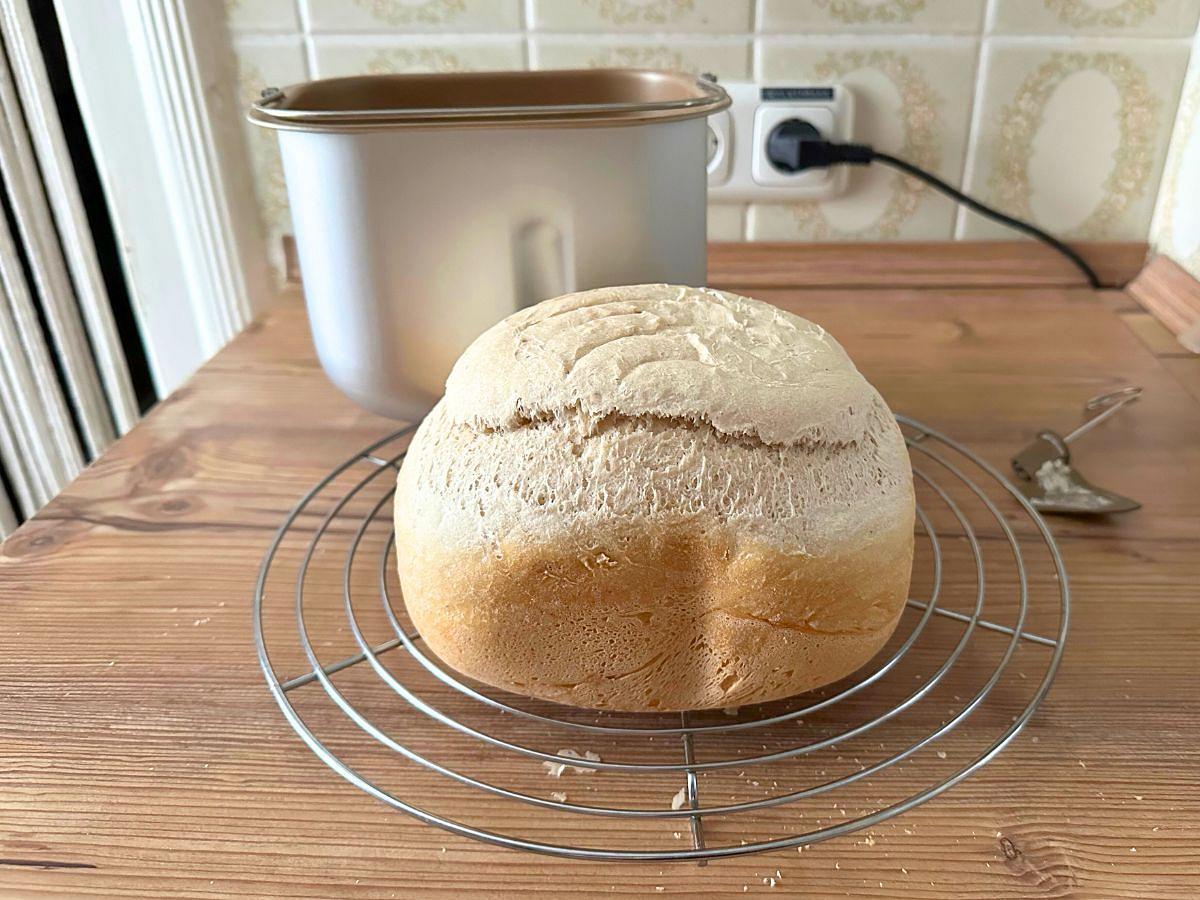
[
  {"x": 556, "y": 769},
  {"x": 680, "y": 798}
]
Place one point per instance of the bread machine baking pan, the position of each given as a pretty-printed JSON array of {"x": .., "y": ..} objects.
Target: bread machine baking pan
[{"x": 428, "y": 207}]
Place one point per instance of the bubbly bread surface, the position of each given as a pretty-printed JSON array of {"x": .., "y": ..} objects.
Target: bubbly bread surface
[{"x": 655, "y": 498}]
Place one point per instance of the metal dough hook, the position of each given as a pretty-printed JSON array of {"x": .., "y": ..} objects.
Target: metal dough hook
[{"x": 1052, "y": 484}]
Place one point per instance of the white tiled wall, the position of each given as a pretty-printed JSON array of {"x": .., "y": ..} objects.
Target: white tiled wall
[{"x": 1056, "y": 110}]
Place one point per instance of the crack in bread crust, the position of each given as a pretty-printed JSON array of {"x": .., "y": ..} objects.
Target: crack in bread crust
[{"x": 576, "y": 421}]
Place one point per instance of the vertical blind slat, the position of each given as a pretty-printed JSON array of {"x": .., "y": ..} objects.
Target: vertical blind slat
[
  {"x": 65, "y": 385},
  {"x": 22, "y": 181},
  {"x": 67, "y": 206},
  {"x": 32, "y": 395},
  {"x": 16, "y": 464}
]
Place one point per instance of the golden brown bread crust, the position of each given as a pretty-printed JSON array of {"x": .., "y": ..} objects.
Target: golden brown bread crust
[
  {"x": 656, "y": 497},
  {"x": 656, "y": 619}
]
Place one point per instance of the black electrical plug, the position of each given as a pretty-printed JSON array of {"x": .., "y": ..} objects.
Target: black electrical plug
[{"x": 795, "y": 145}]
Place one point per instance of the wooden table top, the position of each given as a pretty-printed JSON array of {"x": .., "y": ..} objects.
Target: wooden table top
[{"x": 141, "y": 753}]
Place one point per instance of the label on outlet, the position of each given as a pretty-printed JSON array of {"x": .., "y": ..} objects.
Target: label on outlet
[{"x": 797, "y": 93}]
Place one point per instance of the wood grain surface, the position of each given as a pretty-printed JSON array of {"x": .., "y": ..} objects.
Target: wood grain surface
[
  {"x": 141, "y": 754},
  {"x": 762, "y": 264}
]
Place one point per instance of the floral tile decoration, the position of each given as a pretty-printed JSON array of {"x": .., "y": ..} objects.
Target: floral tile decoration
[
  {"x": 1074, "y": 136},
  {"x": 903, "y": 16},
  {"x": 414, "y": 15},
  {"x": 268, "y": 62},
  {"x": 339, "y": 56},
  {"x": 650, "y": 16},
  {"x": 725, "y": 58},
  {"x": 1143, "y": 18}
]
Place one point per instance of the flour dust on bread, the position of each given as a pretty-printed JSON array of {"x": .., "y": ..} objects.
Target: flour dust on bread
[{"x": 656, "y": 497}]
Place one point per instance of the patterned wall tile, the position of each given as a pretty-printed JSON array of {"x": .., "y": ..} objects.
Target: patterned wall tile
[
  {"x": 261, "y": 15},
  {"x": 913, "y": 16},
  {"x": 913, "y": 100},
  {"x": 643, "y": 15},
  {"x": 268, "y": 62},
  {"x": 1176, "y": 229},
  {"x": 1141, "y": 18},
  {"x": 726, "y": 221},
  {"x": 727, "y": 59},
  {"x": 415, "y": 15},
  {"x": 1073, "y": 134},
  {"x": 336, "y": 56}
]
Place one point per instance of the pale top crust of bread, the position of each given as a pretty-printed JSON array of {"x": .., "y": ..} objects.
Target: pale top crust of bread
[
  {"x": 654, "y": 403},
  {"x": 745, "y": 367}
]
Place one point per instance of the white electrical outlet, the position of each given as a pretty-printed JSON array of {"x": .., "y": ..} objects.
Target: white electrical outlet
[{"x": 739, "y": 165}]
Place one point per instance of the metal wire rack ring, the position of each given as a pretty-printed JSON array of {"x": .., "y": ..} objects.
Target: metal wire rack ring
[{"x": 929, "y": 449}]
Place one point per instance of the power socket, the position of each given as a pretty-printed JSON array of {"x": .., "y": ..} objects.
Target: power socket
[{"x": 739, "y": 166}]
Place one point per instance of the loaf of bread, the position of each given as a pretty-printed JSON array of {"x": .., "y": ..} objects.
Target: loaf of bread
[{"x": 655, "y": 498}]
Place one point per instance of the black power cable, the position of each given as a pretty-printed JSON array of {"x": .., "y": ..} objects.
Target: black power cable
[{"x": 805, "y": 152}]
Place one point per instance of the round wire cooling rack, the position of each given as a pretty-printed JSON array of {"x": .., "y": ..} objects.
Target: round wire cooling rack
[{"x": 421, "y": 738}]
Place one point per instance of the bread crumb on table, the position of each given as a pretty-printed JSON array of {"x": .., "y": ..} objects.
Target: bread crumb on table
[
  {"x": 556, "y": 769},
  {"x": 560, "y": 796}
]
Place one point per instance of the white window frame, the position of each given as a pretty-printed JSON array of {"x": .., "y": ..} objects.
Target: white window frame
[{"x": 156, "y": 88}]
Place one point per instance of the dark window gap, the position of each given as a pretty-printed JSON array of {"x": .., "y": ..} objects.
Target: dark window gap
[
  {"x": 6, "y": 486},
  {"x": 94, "y": 203},
  {"x": 39, "y": 308}
]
